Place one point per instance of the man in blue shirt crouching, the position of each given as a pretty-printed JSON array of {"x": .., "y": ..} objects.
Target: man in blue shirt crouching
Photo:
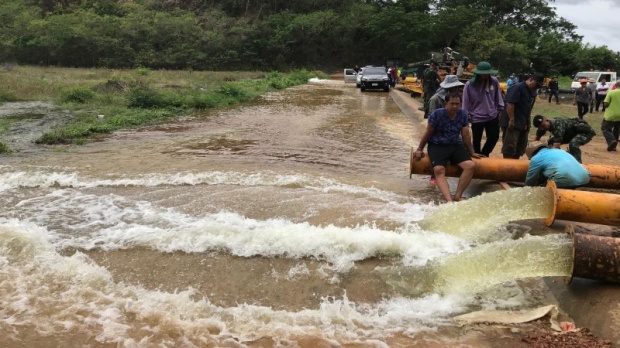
[{"x": 554, "y": 165}]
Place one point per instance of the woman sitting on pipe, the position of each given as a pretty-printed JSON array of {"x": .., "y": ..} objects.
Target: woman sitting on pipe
[{"x": 443, "y": 134}]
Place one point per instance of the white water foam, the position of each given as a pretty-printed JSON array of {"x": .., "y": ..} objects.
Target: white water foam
[
  {"x": 57, "y": 294},
  {"x": 112, "y": 222},
  {"x": 54, "y": 177}
]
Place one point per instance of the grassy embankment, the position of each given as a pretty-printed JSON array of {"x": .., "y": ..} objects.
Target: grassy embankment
[{"x": 132, "y": 98}]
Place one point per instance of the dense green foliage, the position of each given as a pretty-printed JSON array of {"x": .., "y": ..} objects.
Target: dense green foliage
[{"x": 279, "y": 35}]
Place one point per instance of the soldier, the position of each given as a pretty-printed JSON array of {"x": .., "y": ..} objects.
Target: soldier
[
  {"x": 431, "y": 83},
  {"x": 572, "y": 131}
]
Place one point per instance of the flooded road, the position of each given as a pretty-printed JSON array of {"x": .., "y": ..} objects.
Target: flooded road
[{"x": 291, "y": 221}]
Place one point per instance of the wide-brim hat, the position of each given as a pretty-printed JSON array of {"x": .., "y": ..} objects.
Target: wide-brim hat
[
  {"x": 591, "y": 80},
  {"x": 451, "y": 81},
  {"x": 484, "y": 68},
  {"x": 534, "y": 147}
]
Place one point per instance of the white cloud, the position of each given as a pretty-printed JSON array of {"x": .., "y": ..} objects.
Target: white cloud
[{"x": 595, "y": 20}]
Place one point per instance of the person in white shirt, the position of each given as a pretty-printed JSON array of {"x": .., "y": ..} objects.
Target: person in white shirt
[{"x": 601, "y": 93}]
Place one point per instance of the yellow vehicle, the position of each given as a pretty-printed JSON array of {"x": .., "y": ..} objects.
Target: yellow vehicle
[
  {"x": 413, "y": 86},
  {"x": 503, "y": 86}
]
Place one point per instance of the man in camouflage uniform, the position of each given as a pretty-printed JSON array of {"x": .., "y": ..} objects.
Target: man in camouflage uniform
[
  {"x": 430, "y": 83},
  {"x": 572, "y": 131}
]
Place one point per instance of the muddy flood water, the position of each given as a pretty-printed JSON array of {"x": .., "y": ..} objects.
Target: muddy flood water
[{"x": 288, "y": 222}]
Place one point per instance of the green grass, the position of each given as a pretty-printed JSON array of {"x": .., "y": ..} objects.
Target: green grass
[
  {"x": 565, "y": 81},
  {"x": 5, "y": 124},
  {"x": 4, "y": 148},
  {"x": 567, "y": 110},
  {"x": 133, "y": 98}
]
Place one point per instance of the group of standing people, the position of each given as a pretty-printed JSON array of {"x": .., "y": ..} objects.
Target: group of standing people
[
  {"x": 481, "y": 106},
  {"x": 454, "y": 107},
  {"x": 590, "y": 95}
]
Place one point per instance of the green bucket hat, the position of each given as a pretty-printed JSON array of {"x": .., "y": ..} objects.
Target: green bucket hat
[{"x": 484, "y": 68}]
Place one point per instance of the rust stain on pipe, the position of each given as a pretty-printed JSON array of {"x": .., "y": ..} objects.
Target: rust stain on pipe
[
  {"x": 584, "y": 206},
  {"x": 595, "y": 257},
  {"x": 502, "y": 169}
]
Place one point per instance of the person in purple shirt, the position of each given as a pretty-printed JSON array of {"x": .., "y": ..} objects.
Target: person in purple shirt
[
  {"x": 443, "y": 134},
  {"x": 482, "y": 99}
]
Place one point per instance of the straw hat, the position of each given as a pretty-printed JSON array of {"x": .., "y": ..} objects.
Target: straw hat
[
  {"x": 591, "y": 79},
  {"x": 534, "y": 147}
]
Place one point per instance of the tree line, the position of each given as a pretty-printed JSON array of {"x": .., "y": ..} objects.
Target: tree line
[{"x": 514, "y": 35}]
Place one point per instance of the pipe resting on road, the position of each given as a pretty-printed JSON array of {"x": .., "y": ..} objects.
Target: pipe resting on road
[
  {"x": 584, "y": 206},
  {"x": 512, "y": 170},
  {"x": 595, "y": 257}
]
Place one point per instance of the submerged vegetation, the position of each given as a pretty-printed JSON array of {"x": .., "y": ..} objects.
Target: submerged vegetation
[
  {"x": 4, "y": 148},
  {"x": 105, "y": 100}
]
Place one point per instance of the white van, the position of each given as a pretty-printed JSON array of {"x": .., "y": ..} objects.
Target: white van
[{"x": 609, "y": 76}]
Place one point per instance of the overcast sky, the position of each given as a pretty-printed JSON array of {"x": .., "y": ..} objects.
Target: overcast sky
[{"x": 596, "y": 20}]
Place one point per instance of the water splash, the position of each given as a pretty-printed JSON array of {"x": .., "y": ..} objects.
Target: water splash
[
  {"x": 484, "y": 267},
  {"x": 479, "y": 218},
  {"x": 59, "y": 295}
]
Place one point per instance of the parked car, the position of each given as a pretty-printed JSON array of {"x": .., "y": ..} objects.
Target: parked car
[
  {"x": 350, "y": 76},
  {"x": 375, "y": 78}
]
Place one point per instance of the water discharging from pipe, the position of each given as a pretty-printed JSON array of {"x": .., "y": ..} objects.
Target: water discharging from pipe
[
  {"x": 479, "y": 217},
  {"x": 498, "y": 254},
  {"x": 486, "y": 265}
]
